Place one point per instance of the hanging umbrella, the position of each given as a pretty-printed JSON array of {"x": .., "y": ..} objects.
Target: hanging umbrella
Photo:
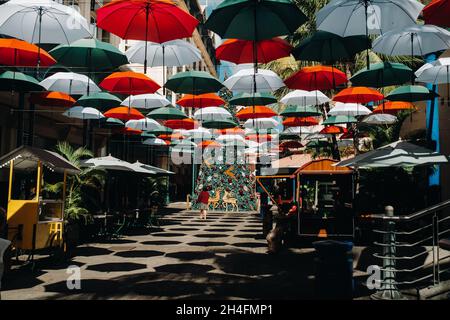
[
  {"x": 219, "y": 124},
  {"x": 358, "y": 95},
  {"x": 243, "y": 51},
  {"x": 247, "y": 80},
  {"x": 18, "y": 53},
  {"x": 52, "y": 99},
  {"x": 305, "y": 98},
  {"x": 288, "y": 136},
  {"x": 437, "y": 12},
  {"x": 103, "y": 100},
  {"x": 382, "y": 74},
  {"x": 393, "y": 107},
  {"x": 230, "y": 138},
  {"x": 252, "y": 99},
  {"x": 255, "y": 112},
  {"x": 380, "y": 118},
  {"x": 83, "y": 113},
  {"x": 316, "y": 78},
  {"x": 411, "y": 93},
  {"x": 111, "y": 123},
  {"x": 212, "y": 113},
  {"x": 70, "y": 83},
  {"x": 349, "y": 109},
  {"x": 436, "y": 72},
  {"x": 300, "y": 122},
  {"x": 261, "y": 123},
  {"x": 172, "y": 136},
  {"x": 333, "y": 130},
  {"x": 146, "y": 101},
  {"x": 317, "y": 136},
  {"x": 145, "y": 124},
  {"x": 300, "y": 111},
  {"x": 199, "y": 133},
  {"x": 209, "y": 144},
  {"x": 154, "y": 142},
  {"x": 200, "y": 100},
  {"x": 341, "y": 119},
  {"x": 129, "y": 83},
  {"x": 128, "y": 132},
  {"x": 160, "y": 130},
  {"x": 291, "y": 144},
  {"x": 193, "y": 82},
  {"x": 233, "y": 131},
  {"x": 259, "y": 137},
  {"x": 124, "y": 113},
  {"x": 18, "y": 81},
  {"x": 186, "y": 124},
  {"x": 167, "y": 113}
]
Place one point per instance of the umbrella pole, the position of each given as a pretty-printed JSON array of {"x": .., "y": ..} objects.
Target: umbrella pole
[
  {"x": 39, "y": 42},
  {"x": 163, "y": 71},
  {"x": 147, "y": 9},
  {"x": 366, "y": 5},
  {"x": 448, "y": 88},
  {"x": 412, "y": 57}
]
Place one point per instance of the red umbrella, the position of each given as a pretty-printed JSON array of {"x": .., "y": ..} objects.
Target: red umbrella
[
  {"x": 255, "y": 112},
  {"x": 52, "y": 99},
  {"x": 186, "y": 124},
  {"x": 172, "y": 136},
  {"x": 393, "y": 107},
  {"x": 236, "y": 131},
  {"x": 358, "y": 95},
  {"x": 437, "y": 12},
  {"x": 300, "y": 122},
  {"x": 201, "y": 100},
  {"x": 127, "y": 131},
  {"x": 316, "y": 78},
  {"x": 241, "y": 51},
  {"x": 259, "y": 137},
  {"x": 129, "y": 83},
  {"x": 20, "y": 53},
  {"x": 333, "y": 130},
  {"x": 209, "y": 144},
  {"x": 124, "y": 113},
  {"x": 291, "y": 144},
  {"x": 347, "y": 135}
]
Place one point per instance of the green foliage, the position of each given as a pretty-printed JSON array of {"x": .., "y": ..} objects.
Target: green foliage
[{"x": 154, "y": 190}]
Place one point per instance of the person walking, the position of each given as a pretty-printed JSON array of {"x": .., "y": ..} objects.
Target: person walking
[{"x": 202, "y": 200}]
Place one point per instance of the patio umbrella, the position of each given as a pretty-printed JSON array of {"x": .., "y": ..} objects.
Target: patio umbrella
[
  {"x": 316, "y": 78},
  {"x": 20, "y": 82},
  {"x": 333, "y": 130},
  {"x": 252, "y": 99},
  {"x": 103, "y": 100},
  {"x": 212, "y": 113},
  {"x": 147, "y": 20},
  {"x": 146, "y": 101},
  {"x": 261, "y": 123},
  {"x": 154, "y": 142},
  {"x": 186, "y": 124},
  {"x": 107, "y": 163},
  {"x": 305, "y": 98},
  {"x": 142, "y": 124},
  {"x": 437, "y": 12},
  {"x": 382, "y": 74},
  {"x": 243, "y": 51},
  {"x": 193, "y": 82},
  {"x": 70, "y": 83},
  {"x": 129, "y": 83},
  {"x": 167, "y": 113},
  {"x": 247, "y": 80},
  {"x": 436, "y": 72},
  {"x": 219, "y": 124},
  {"x": 341, "y": 119},
  {"x": 255, "y": 112},
  {"x": 397, "y": 154},
  {"x": 300, "y": 122},
  {"x": 52, "y": 99},
  {"x": 349, "y": 109},
  {"x": 380, "y": 118},
  {"x": 393, "y": 107},
  {"x": 19, "y": 53},
  {"x": 124, "y": 113},
  {"x": 300, "y": 111},
  {"x": 411, "y": 93},
  {"x": 358, "y": 95},
  {"x": 200, "y": 100},
  {"x": 83, "y": 113}
]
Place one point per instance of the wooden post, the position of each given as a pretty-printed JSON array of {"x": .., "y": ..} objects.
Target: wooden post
[{"x": 11, "y": 171}]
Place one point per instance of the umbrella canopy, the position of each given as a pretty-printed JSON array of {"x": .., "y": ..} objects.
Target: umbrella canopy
[
  {"x": 172, "y": 136},
  {"x": 101, "y": 100},
  {"x": 259, "y": 137},
  {"x": 18, "y": 53},
  {"x": 255, "y": 20},
  {"x": 411, "y": 93},
  {"x": 382, "y": 74},
  {"x": 70, "y": 83},
  {"x": 200, "y": 133},
  {"x": 341, "y": 119},
  {"x": 219, "y": 124},
  {"x": 393, "y": 107},
  {"x": 230, "y": 138},
  {"x": 142, "y": 124},
  {"x": 305, "y": 98},
  {"x": 397, "y": 154},
  {"x": 252, "y": 99},
  {"x": 193, "y": 82},
  {"x": 167, "y": 113},
  {"x": 209, "y": 144},
  {"x": 436, "y": 72},
  {"x": 333, "y": 130},
  {"x": 261, "y": 123},
  {"x": 247, "y": 80},
  {"x": 255, "y": 112},
  {"x": 380, "y": 118},
  {"x": 201, "y": 100},
  {"x": 42, "y": 21},
  {"x": 83, "y": 113},
  {"x": 212, "y": 113},
  {"x": 146, "y": 101},
  {"x": 291, "y": 144},
  {"x": 288, "y": 136},
  {"x": 349, "y": 109},
  {"x": 242, "y": 51},
  {"x": 437, "y": 12},
  {"x": 186, "y": 124},
  {"x": 300, "y": 111},
  {"x": 111, "y": 123},
  {"x": 124, "y": 113},
  {"x": 160, "y": 130},
  {"x": 154, "y": 142},
  {"x": 52, "y": 99},
  {"x": 107, "y": 163},
  {"x": 300, "y": 122},
  {"x": 129, "y": 83},
  {"x": 127, "y": 131},
  {"x": 325, "y": 46},
  {"x": 317, "y": 136},
  {"x": 18, "y": 81},
  {"x": 358, "y": 95},
  {"x": 316, "y": 78},
  {"x": 233, "y": 131}
]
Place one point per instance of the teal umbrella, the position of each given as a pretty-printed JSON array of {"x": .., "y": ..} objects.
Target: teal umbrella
[
  {"x": 193, "y": 82},
  {"x": 382, "y": 74},
  {"x": 99, "y": 100},
  {"x": 219, "y": 124},
  {"x": 252, "y": 99},
  {"x": 341, "y": 119},
  {"x": 411, "y": 93},
  {"x": 300, "y": 111},
  {"x": 160, "y": 130},
  {"x": 111, "y": 123},
  {"x": 146, "y": 134},
  {"x": 18, "y": 81},
  {"x": 167, "y": 113}
]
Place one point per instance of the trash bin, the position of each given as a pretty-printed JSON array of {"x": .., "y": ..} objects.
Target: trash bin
[{"x": 334, "y": 269}]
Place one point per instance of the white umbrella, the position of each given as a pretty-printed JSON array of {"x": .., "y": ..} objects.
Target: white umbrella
[
  {"x": 146, "y": 101},
  {"x": 272, "y": 131},
  {"x": 70, "y": 83},
  {"x": 261, "y": 123},
  {"x": 436, "y": 72},
  {"x": 154, "y": 142},
  {"x": 108, "y": 163},
  {"x": 83, "y": 113},
  {"x": 252, "y": 144},
  {"x": 145, "y": 124},
  {"x": 317, "y": 136},
  {"x": 243, "y": 81},
  {"x": 230, "y": 138},
  {"x": 380, "y": 118},
  {"x": 349, "y": 109},
  {"x": 199, "y": 133},
  {"x": 42, "y": 21},
  {"x": 302, "y": 130},
  {"x": 212, "y": 113},
  {"x": 305, "y": 98}
]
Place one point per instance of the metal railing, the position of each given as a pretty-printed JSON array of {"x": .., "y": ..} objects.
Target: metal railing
[{"x": 409, "y": 249}]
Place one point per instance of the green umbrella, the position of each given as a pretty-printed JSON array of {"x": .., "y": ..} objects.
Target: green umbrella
[
  {"x": 317, "y": 144},
  {"x": 339, "y": 120},
  {"x": 193, "y": 82},
  {"x": 99, "y": 100},
  {"x": 325, "y": 46},
  {"x": 288, "y": 136},
  {"x": 111, "y": 123},
  {"x": 300, "y": 111},
  {"x": 255, "y": 19},
  {"x": 253, "y": 99},
  {"x": 146, "y": 135},
  {"x": 167, "y": 113},
  {"x": 90, "y": 54},
  {"x": 18, "y": 81},
  {"x": 411, "y": 93},
  {"x": 219, "y": 124},
  {"x": 160, "y": 130},
  {"x": 382, "y": 74}
]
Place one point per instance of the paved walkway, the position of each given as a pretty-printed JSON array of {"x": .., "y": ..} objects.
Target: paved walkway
[{"x": 220, "y": 258}]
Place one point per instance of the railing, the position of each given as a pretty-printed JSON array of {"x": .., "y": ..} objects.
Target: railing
[{"x": 409, "y": 250}]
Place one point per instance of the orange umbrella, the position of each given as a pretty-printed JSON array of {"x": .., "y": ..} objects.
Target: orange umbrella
[
  {"x": 20, "y": 53},
  {"x": 291, "y": 144},
  {"x": 201, "y": 100},
  {"x": 186, "y": 124},
  {"x": 300, "y": 122},
  {"x": 209, "y": 144},
  {"x": 52, "y": 99},
  {"x": 316, "y": 78},
  {"x": 392, "y": 107},
  {"x": 124, "y": 113},
  {"x": 129, "y": 83},
  {"x": 255, "y": 112},
  {"x": 358, "y": 95},
  {"x": 172, "y": 136},
  {"x": 128, "y": 131},
  {"x": 259, "y": 137},
  {"x": 333, "y": 130},
  {"x": 236, "y": 130}
]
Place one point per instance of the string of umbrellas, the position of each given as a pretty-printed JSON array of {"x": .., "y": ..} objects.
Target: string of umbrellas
[{"x": 84, "y": 78}]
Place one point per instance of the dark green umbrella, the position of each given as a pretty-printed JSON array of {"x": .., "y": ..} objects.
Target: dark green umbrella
[
  {"x": 111, "y": 123},
  {"x": 317, "y": 144},
  {"x": 18, "y": 81},
  {"x": 160, "y": 130},
  {"x": 339, "y": 120},
  {"x": 411, "y": 93},
  {"x": 300, "y": 111},
  {"x": 255, "y": 19},
  {"x": 146, "y": 135},
  {"x": 99, "y": 100},
  {"x": 382, "y": 74},
  {"x": 325, "y": 46},
  {"x": 167, "y": 113},
  {"x": 193, "y": 82},
  {"x": 92, "y": 54},
  {"x": 252, "y": 99},
  {"x": 219, "y": 124},
  {"x": 288, "y": 136}
]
